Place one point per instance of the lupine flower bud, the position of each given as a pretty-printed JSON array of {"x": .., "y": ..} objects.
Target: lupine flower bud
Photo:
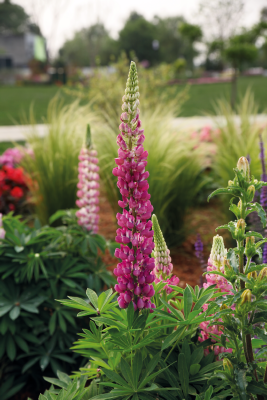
[
  {"x": 88, "y": 187},
  {"x": 250, "y": 241},
  {"x": 243, "y": 167},
  {"x": 251, "y": 192},
  {"x": 250, "y": 246},
  {"x": 218, "y": 251},
  {"x": 2, "y": 231},
  {"x": 163, "y": 266},
  {"x": 252, "y": 274},
  {"x": 227, "y": 365},
  {"x": 263, "y": 273},
  {"x": 240, "y": 229},
  {"x": 135, "y": 271},
  {"x": 246, "y": 297}
]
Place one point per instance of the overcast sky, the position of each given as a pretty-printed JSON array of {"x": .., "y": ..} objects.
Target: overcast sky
[{"x": 59, "y": 19}]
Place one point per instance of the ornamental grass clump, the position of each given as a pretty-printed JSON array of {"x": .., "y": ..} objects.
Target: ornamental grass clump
[
  {"x": 135, "y": 235},
  {"x": 237, "y": 139},
  {"x": 53, "y": 168},
  {"x": 88, "y": 186}
]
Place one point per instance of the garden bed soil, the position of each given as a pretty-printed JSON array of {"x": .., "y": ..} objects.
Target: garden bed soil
[{"x": 203, "y": 220}]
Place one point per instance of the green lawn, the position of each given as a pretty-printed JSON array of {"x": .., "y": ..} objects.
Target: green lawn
[
  {"x": 202, "y": 97},
  {"x": 15, "y": 101}
]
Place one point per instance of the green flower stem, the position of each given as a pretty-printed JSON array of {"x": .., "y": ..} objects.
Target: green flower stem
[{"x": 175, "y": 344}]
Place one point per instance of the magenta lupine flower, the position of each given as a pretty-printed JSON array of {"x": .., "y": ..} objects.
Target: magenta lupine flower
[
  {"x": 215, "y": 263},
  {"x": 88, "y": 187},
  {"x": 135, "y": 271}
]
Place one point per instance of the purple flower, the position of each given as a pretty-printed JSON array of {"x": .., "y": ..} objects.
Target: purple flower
[
  {"x": 135, "y": 271},
  {"x": 262, "y": 158}
]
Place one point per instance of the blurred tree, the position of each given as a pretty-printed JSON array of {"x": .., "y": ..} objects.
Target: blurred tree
[
  {"x": 88, "y": 46},
  {"x": 263, "y": 16},
  {"x": 239, "y": 50},
  {"x": 13, "y": 18},
  {"x": 171, "y": 43},
  {"x": 138, "y": 35},
  {"x": 214, "y": 59},
  {"x": 191, "y": 33},
  {"x": 179, "y": 67}
]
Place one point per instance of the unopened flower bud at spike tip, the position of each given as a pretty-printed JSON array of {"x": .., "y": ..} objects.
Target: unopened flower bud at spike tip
[
  {"x": 252, "y": 274},
  {"x": 227, "y": 365},
  {"x": 263, "y": 273},
  {"x": 218, "y": 251},
  {"x": 246, "y": 297},
  {"x": 250, "y": 241},
  {"x": 240, "y": 229},
  {"x": 243, "y": 166},
  {"x": 251, "y": 192}
]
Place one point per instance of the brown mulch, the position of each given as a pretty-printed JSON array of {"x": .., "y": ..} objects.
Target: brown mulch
[{"x": 202, "y": 220}]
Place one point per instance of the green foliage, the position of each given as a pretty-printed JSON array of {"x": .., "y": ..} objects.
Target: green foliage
[
  {"x": 171, "y": 43},
  {"x": 235, "y": 140},
  {"x": 89, "y": 46},
  {"x": 140, "y": 355},
  {"x": 242, "y": 369},
  {"x": 70, "y": 389},
  {"x": 137, "y": 35},
  {"x": 192, "y": 32},
  {"x": 13, "y": 18},
  {"x": 38, "y": 265},
  {"x": 54, "y": 167},
  {"x": 238, "y": 52}
]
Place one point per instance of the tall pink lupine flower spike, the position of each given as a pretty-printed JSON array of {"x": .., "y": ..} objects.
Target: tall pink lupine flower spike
[
  {"x": 163, "y": 266},
  {"x": 135, "y": 271},
  {"x": 216, "y": 262},
  {"x": 88, "y": 186}
]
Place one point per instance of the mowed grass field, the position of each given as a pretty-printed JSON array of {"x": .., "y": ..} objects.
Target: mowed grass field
[{"x": 15, "y": 101}]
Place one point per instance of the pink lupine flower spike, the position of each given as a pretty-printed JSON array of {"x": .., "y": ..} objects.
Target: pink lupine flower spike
[
  {"x": 88, "y": 187},
  {"x": 135, "y": 271}
]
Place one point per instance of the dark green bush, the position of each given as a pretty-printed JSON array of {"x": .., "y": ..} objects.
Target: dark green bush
[{"x": 38, "y": 265}]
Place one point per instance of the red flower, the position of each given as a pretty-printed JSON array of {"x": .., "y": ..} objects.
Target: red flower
[
  {"x": 15, "y": 175},
  {"x": 2, "y": 176},
  {"x": 11, "y": 207},
  {"x": 16, "y": 192},
  {"x": 5, "y": 187}
]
